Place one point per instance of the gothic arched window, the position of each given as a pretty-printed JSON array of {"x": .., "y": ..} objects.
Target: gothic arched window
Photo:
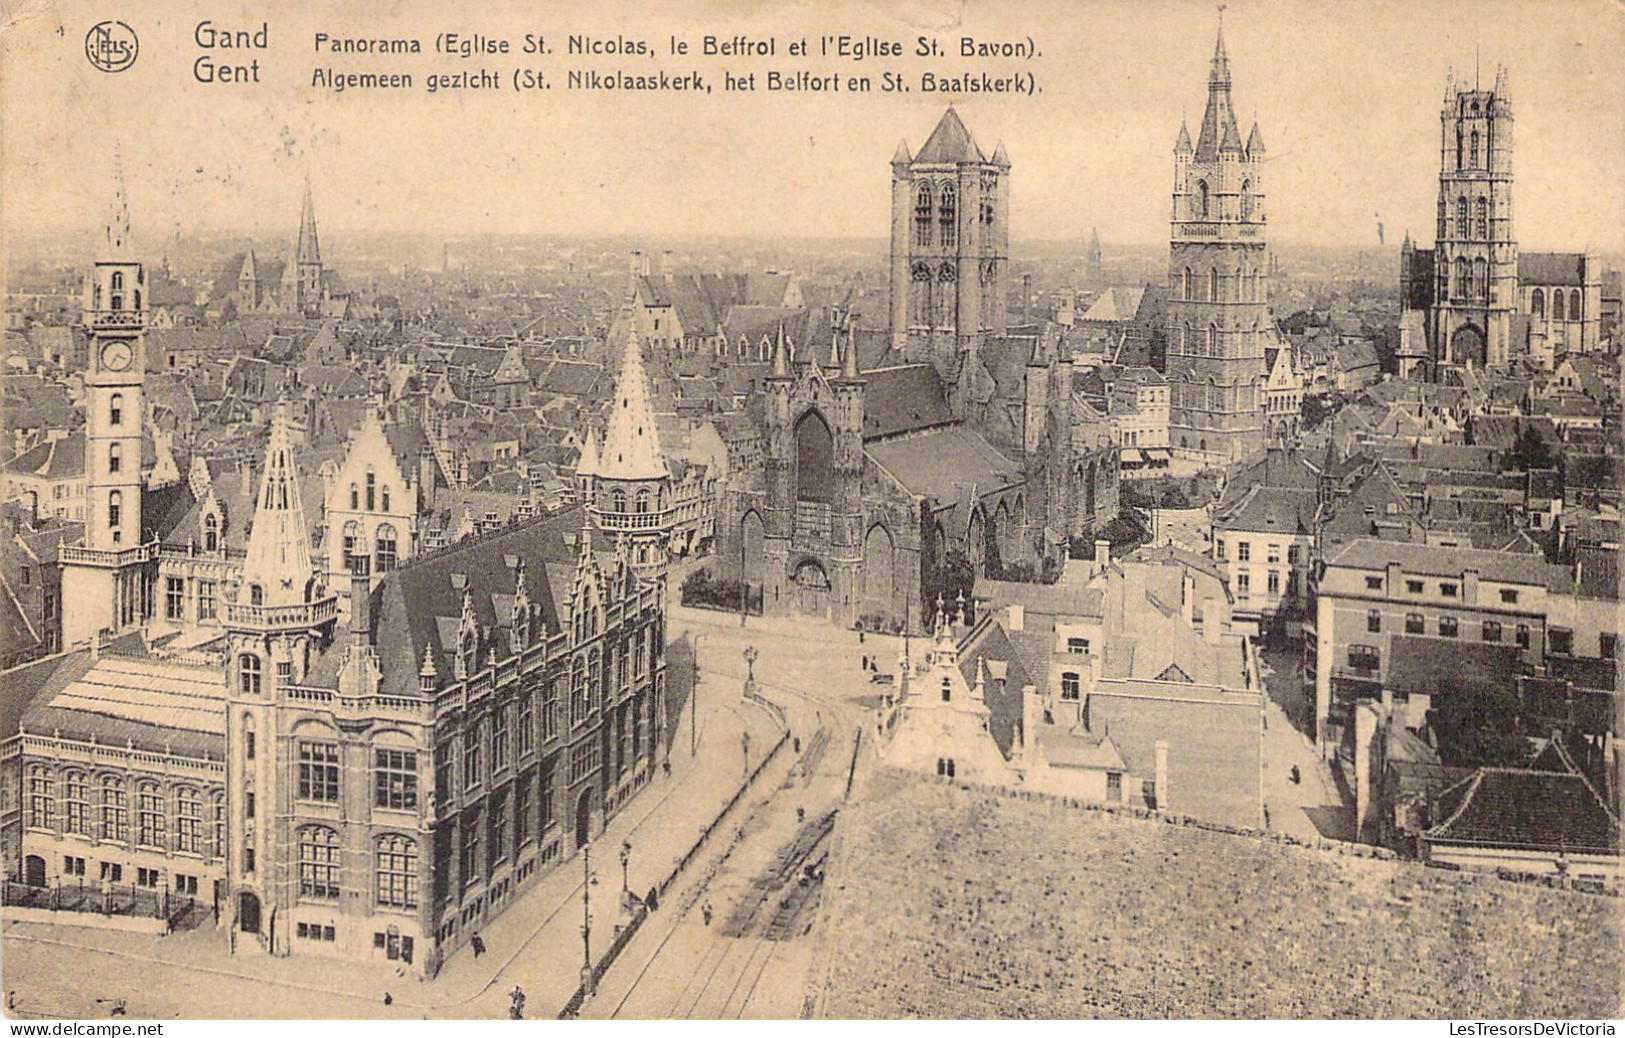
[
  {"x": 642, "y": 504},
  {"x": 1186, "y": 285},
  {"x": 1482, "y": 211},
  {"x": 1537, "y": 303},
  {"x": 923, "y": 307},
  {"x": 384, "y": 547},
  {"x": 1212, "y": 340},
  {"x": 948, "y": 216},
  {"x": 922, "y": 215},
  {"x": 1201, "y": 199},
  {"x": 1481, "y": 278},
  {"x": 1472, "y": 151},
  {"x": 1246, "y": 199},
  {"x": 1461, "y": 217},
  {"x": 1574, "y": 304},
  {"x": 256, "y": 595},
  {"x": 115, "y": 511},
  {"x": 617, "y": 501},
  {"x": 372, "y": 492},
  {"x": 115, "y": 409},
  {"x": 211, "y": 532},
  {"x": 1213, "y": 284},
  {"x": 1461, "y": 289},
  {"x": 1557, "y": 304}
]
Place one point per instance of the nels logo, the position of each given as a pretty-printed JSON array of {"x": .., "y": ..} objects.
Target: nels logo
[{"x": 111, "y": 46}]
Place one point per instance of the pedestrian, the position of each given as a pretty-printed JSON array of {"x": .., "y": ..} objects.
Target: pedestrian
[
  {"x": 797, "y": 742},
  {"x": 665, "y": 766},
  {"x": 705, "y": 913},
  {"x": 866, "y": 662},
  {"x": 11, "y": 1000},
  {"x": 801, "y": 814},
  {"x": 1297, "y": 776},
  {"x": 389, "y": 999},
  {"x": 653, "y": 900},
  {"x": 119, "y": 1007},
  {"x": 479, "y": 945},
  {"x": 516, "y": 1007},
  {"x": 860, "y": 636}
]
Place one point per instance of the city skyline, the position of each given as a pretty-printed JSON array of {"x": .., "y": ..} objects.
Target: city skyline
[{"x": 801, "y": 168}]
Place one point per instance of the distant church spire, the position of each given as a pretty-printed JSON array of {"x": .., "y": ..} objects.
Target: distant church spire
[
  {"x": 116, "y": 234},
  {"x": 278, "y": 557},
  {"x": 310, "y": 250}
]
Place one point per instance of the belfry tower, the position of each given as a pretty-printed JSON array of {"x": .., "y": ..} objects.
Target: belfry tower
[
  {"x": 1218, "y": 283},
  {"x": 107, "y": 581}
]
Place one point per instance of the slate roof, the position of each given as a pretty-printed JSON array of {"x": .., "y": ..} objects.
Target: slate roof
[
  {"x": 1551, "y": 268},
  {"x": 157, "y": 705},
  {"x": 939, "y": 463},
  {"x": 56, "y": 459},
  {"x": 903, "y": 399},
  {"x": 1271, "y": 509},
  {"x": 949, "y": 144},
  {"x": 1506, "y": 567},
  {"x": 1515, "y": 808}
]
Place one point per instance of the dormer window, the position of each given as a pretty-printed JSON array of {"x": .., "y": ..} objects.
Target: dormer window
[
  {"x": 211, "y": 532},
  {"x": 465, "y": 656}
]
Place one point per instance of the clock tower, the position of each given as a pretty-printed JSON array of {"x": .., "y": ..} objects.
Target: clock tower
[{"x": 106, "y": 582}]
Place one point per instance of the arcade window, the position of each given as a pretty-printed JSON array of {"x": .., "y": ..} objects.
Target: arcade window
[{"x": 319, "y": 771}]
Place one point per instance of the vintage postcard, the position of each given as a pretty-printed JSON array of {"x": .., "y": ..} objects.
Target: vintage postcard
[{"x": 712, "y": 510}]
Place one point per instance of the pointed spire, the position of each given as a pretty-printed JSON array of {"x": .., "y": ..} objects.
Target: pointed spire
[
  {"x": 950, "y": 143},
  {"x": 631, "y": 444},
  {"x": 309, "y": 249},
  {"x": 1219, "y": 131},
  {"x": 781, "y": 362},
  {"x": 849, "y": 366},
  {"x": 835, "y": 343},
  {"x": 116, "y": 234},
  {"x": 1000, "y": 158},
  {"x": 1182, "y": 146},
  {"x": 1500, "y": 82},
  {"x": 278, "y": 556},
  {"x": 1449, "y": 84},
  {"x": 1255, "y": 141},
  {"x": 901, "y": 156},
  {"x": 588, "y": 465}
]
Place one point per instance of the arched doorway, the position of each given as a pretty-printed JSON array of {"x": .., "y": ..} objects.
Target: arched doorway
[
  {"x": 584, "y": 818},
  {"x": 248, "y": 912},
  {"x": 812, "y": 588},
  {"x": 34, "y": 871},
  {"x": 1467, "y": 346},
  {"x": 752, "y": 547}
]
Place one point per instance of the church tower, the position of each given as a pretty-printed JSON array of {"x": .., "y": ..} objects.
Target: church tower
[
  {"x": 631, "y": 497},
  {"x": 108, "y": 580},
  {"x": 1475, "y": 263},
  {"x": 308, "y": 260},
  {"x": 1218, "y": 283},
  {"x": 950, "y": 246}
]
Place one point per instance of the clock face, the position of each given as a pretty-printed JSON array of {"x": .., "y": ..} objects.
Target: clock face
[{"x": 116, "y": 356}]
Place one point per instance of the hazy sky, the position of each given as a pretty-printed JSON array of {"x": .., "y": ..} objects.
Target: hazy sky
[{"x": 1347, "y": 96}]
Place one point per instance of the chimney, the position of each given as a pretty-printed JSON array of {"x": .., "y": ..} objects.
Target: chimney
[
  {"x": 360, "y": 601},
  {"x": 1103, "y": 554},
  {"x": 1026, "y": 291},
  {"x": 1162, "y": 775},
  {"x": 1187, "y": 598},
  {"x": 1015, "y": 616}
]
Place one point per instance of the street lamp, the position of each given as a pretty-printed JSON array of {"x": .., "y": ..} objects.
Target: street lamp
[
  {"x": 626, "y": 856},
  {"x": 744, "y": 744},
  {"x": 586, "y": 920}
]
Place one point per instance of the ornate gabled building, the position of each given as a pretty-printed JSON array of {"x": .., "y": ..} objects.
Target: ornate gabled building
[
  {"x": 1218, "y": 283},
  {"x": 1473, "y": 300}
]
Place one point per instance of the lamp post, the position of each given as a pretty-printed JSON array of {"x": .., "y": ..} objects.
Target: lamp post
[
  {"x": 626, "y": 857},
  {"x": 586, "y": 920}
]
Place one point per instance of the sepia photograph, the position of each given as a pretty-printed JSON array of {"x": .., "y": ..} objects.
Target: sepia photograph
[{"x": 878, "y": 510}]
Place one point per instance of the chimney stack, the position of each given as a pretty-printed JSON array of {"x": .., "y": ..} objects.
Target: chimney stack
[
  {"x": 360, "y": 601},
  {"x": 1015, "y": 616},
  {"x": 1187, "y": 598},
  {"x": 1103, "y": 554}
]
